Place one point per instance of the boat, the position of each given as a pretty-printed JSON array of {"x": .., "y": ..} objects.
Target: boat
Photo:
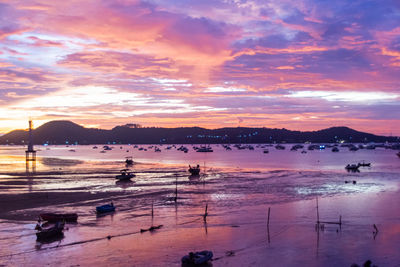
[
  {"x": 335, "y": 149},
  {"x": 194, "y": 170},
  {"x": 280, "y": 147},
  {"x": 205, "y": 149},
  {"x": 151, "y": 229},
  {"x": 197, "y": 258},
  {"x": 128, "y": 160},
  {"x": 105, "y": 208},
  {"x": 352, "y": 167},
  {"x": 56, "y": 230},
  {"x": 266, "y": 151},
  {"x": 398, "y": 154},
  {"x": 125, "y": 175},
  {"x": 59, "y": 217},
  {"x": 364, "y": 164}
]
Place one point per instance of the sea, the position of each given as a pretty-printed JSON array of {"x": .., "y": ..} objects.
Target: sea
[{"x": 262, "y": 208}]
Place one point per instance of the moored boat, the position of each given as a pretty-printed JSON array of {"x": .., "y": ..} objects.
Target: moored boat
[
  {"x": 364, "y": 164},
  {"x": 335, "y": 149},
  {"x": 194, "y": 170},
  {"x": 352, "y": 167},
  {"x": 105, "y": 208},
  {"x": 124, "y": 175},
  {"x": 58, "y": 217},
  {"x": 197, "y": 258},
  {"x": 205, "y": 149},
  {"x": 128, "y": 160}
]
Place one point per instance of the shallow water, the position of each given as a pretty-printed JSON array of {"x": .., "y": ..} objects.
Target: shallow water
[{"x": 238, "y": 187}]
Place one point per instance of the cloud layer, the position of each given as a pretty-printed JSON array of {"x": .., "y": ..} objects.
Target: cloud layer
[{"x": 301, "y": 65}]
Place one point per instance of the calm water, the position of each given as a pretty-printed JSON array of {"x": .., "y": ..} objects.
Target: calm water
[{"x": 237, "y": 185}]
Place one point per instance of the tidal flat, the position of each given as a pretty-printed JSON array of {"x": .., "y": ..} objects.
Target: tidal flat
[{"x": 237, "y": 186}]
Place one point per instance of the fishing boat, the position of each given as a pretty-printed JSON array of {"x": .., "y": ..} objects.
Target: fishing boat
[
  {"x": 197, "y": 258},
  {"x": 59, "y": 217},
  {"x": 105, "y": 208},
  {"x": 352, "y": 167},
  {"x": 205, "y": 149},
  {"x": 124, "y": 175},
  {"x": 128, "y": 160},
  {"x": 280, "y": 147},
  {"x": 194, "y": 170},
  {"x": 364, "y": 164},
  {"x": 56, "y": 230}
]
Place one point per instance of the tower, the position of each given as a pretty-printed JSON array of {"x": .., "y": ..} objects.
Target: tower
[{"x": 30, "y": 153}]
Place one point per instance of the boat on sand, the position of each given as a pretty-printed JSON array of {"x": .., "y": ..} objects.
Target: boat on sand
[
  {"x": 59, "y": 217},
  {"x": 48, "y": 233},
  {"x": 105, "y": 208},
  {"x": 197, "y": 258}
]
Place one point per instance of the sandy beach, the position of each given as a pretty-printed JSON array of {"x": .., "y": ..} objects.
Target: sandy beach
[{"x": 235, "y": 229}]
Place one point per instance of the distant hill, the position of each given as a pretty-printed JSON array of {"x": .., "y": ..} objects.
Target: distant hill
[{"x": 62, "y": 132}]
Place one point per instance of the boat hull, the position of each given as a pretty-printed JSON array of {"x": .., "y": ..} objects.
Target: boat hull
[
  {"x": 105, "y": 208},
  {"x": 58, "y": 217}
]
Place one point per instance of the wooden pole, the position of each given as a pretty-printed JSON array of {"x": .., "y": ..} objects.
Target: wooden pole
[
  {"x": 269, "y": 212},
  {"x": 176, "y": 189},
  {"x": 317, "y": 212},
  {"x": 152, "y": 208},
  {"x": 205, "y": 213}
]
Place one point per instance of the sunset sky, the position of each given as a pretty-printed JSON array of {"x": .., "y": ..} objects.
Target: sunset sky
[{"x": 295, "y": 64}]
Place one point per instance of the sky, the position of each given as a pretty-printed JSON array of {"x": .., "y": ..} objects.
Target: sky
[{"x": 294, "y": 64}]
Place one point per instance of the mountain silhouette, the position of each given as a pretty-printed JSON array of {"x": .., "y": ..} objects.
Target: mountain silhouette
[{"x": 67, "y": 132}]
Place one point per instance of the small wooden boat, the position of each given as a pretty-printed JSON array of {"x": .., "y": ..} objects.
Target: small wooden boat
[
  {"x": 151, "y": 229},
  {"x": 56, "y": 230},
  {"x": 105, "y": 208},
  {"x": 352, "y": 167},
  {"x": 129, "y": 161},
  {"x": 364, "y": 164},
  {"x": 59, "y": 217},
  {"x": 197, "y": 258},
  {"x": 194, "y": 170},
  {"x": 125, "y": 175}
]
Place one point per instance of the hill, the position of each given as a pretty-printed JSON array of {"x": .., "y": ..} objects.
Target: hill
[{"x": 67, "y": 132}]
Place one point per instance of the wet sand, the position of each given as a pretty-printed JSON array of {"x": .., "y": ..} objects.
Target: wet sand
[{"x": 236, "y": 227}]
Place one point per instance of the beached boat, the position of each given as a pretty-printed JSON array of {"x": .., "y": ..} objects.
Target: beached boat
[
  {"x": 105, "y": 208},
  {"x": 56, "y": 230},
  {"x": 266, "y": 151},
  {"x": 59, "y": 217},
  {"x": 194, "y": 170},
  {"x": 124, "y": 175},
  {"x": 197, "y": 258}
]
